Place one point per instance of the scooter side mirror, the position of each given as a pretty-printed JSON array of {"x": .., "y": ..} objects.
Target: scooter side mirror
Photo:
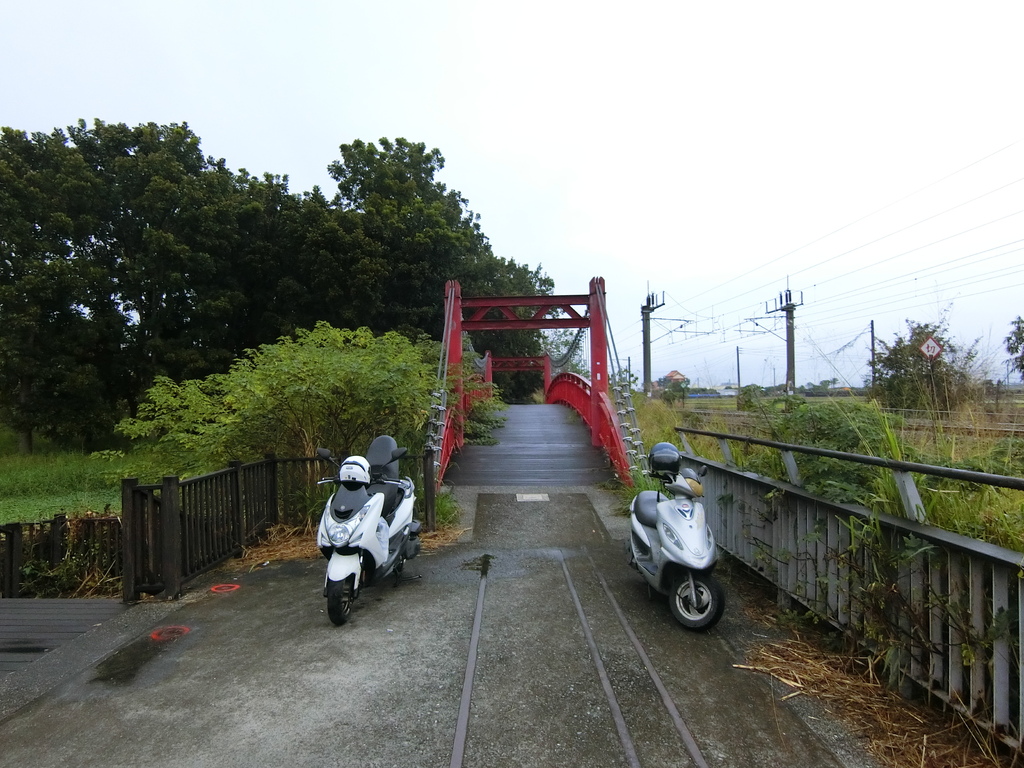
[
  {"x": 323, "y": 453},
  {"x": 702, "y": 471},
  {"x": 398, "y": 453}
]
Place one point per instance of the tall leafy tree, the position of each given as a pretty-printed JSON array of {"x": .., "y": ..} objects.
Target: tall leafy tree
[
  {"x": 1015, "y": 345},
  {"x": 165, "y": 218},
  {"x": 416, "y": 234},
  {"x": 50, "y": 376},
  {"x": 128, "y": 255},
  {"x": 905, "y": 378}
]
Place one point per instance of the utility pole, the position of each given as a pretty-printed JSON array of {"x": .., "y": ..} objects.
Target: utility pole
[
  {"x": 872, "y": 354},
  {"x": 739, "y": 385},
  {"x": 787, "y": 305},
  {"x": 645, "y": 314}
]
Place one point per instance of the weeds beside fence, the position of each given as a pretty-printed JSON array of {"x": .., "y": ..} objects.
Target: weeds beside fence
[
  {"x": 934, "y": 608},
  {"x": 74, "y": 557}
]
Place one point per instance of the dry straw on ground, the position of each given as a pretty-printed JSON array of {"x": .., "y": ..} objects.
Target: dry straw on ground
[
  {"x": 281, "y": 542},
  {"x": 285, "y": 542},
  {"x": 899, "y": 733}
]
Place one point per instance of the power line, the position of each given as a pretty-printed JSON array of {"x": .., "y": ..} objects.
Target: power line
[
  {"x": 932, "y": 270},
  {"x": 865, "y": 217}
]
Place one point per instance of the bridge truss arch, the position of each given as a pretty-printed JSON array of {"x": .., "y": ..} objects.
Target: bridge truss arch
[{"x": 602, "y": 401}]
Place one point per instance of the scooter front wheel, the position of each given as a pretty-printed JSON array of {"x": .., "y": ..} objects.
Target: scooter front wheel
[
  {"x": 339, "y": 601},
  {"x": 700, "y": 607}
]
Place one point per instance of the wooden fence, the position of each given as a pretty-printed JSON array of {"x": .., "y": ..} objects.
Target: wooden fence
[
  {"x": 170, "y": 532},
  {"x": 179, "y": 529},
  {"x": 89, "y": 547},
  {"x": 944, "y": 609}
]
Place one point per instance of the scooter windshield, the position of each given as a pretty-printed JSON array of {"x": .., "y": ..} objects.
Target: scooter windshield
[{"x": 347, "y": 502}]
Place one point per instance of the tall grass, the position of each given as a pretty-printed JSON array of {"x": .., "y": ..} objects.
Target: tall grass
[
  {"x": 979, "y": 511},
  {"x": 34, "y": 488}
]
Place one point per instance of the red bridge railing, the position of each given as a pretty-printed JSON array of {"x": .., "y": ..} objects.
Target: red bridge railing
[
  {"x": 589, "y": 398},
  {"x": 598, "y": 413}
]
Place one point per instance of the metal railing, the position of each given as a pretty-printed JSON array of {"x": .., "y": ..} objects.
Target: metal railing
[
  {"x": 575, "y": 392},
  {"x": 945, "y": 609}
]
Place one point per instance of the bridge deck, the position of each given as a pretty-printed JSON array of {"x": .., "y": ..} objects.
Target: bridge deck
[{"x": 537, "y": 445}]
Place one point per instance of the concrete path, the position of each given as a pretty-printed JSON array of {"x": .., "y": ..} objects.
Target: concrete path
[{"x": 527, "y": 643}]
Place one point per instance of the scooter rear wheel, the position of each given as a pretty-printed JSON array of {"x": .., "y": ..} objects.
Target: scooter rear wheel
[
  {"x": 701, "y": 610},
  {"x": 339, "y": 601}
]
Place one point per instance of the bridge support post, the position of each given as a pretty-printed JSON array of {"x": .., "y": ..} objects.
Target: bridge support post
[
  {"x": 429, "y": 490},
  {"x": 598, "y": 357}
]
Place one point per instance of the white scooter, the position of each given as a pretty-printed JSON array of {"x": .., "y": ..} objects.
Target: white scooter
[
  {"x": 367, "y": 531},
  {"x": 671, "y": 544}
]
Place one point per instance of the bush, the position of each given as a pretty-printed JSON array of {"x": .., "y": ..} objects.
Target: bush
[{"x": 327, "y": 387}]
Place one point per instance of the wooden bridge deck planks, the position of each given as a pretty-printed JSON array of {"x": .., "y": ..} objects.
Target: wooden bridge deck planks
[
  {"x": 537, "y": 445},
  {"x": 30, "y": 627}
]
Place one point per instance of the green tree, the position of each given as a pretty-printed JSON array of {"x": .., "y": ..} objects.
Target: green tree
[
  {"x": 674, "y": 390},
  {"x": 1015, "y": 345},
  {"x": 127, "y": 255},
  {"x": 326, "y": 387},
  {"x": 906, "y": 379},
  {"x": 411, "y": 234},
  {"x": 417, "y": 234},
  {"x": 50, "y": 359},
  {"x": 166, "y": 223}
]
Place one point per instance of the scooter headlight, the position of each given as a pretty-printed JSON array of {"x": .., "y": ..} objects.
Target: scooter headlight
[
  {"x": 340, "y": 533},
  {"x": 671, "y": 536}
]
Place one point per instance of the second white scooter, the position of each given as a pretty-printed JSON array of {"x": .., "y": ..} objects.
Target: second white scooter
[
  {"x": 671, "y": 544},
  {"x": 367, "y": 530}
]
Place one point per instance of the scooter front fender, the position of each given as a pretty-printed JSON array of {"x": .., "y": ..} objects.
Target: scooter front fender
[{"x": 340, "y": 567}]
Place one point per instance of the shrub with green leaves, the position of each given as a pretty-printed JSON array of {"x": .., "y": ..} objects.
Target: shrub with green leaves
[{"x": 327, "y": 387}]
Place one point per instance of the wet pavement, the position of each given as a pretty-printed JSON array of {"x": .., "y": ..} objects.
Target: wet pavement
[{"x": 527, "y": 643}]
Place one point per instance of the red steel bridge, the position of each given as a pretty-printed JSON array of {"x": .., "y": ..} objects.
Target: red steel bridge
[{"x": 602, "y": 401}]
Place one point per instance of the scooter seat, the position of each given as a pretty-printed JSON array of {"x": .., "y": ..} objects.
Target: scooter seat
[{"x": 645, "y": 507}]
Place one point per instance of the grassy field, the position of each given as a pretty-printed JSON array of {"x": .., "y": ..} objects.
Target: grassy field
[{"x": 51, "y": 482}]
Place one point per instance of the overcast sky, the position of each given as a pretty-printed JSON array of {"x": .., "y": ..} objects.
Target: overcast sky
[{"x": 866, "y": 155}]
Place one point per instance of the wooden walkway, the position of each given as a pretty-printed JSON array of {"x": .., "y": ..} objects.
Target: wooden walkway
[
  {"x": 538, "y": 445},
  {"x": 30, "y": 627}
]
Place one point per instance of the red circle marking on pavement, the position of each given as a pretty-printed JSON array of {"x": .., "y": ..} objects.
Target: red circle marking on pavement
[
  {"x": 225, "y": 587},
  {"x": 168, "y": 633}
]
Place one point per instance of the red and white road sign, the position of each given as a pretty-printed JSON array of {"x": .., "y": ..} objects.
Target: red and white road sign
[{"x": 931, "y": 348}]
